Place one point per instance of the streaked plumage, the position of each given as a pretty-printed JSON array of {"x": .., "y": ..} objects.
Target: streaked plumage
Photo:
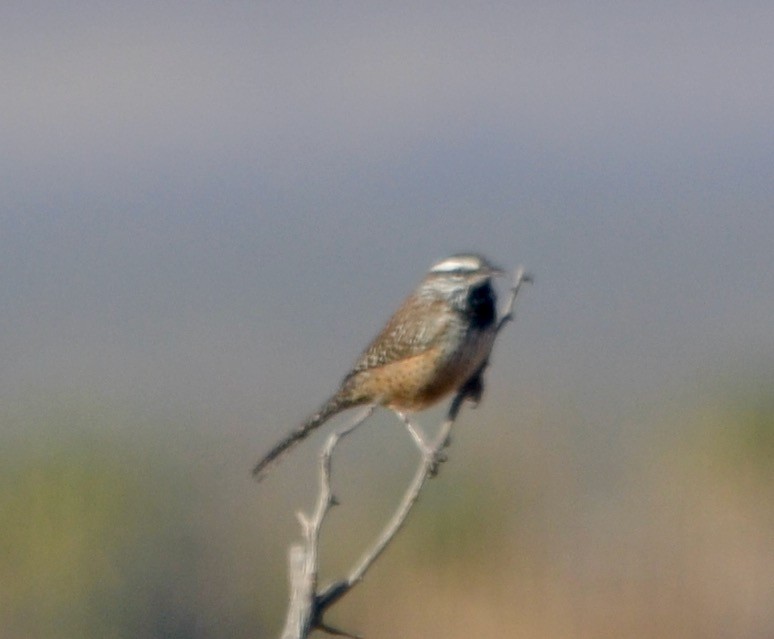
[{"x": 438, "y": 339}]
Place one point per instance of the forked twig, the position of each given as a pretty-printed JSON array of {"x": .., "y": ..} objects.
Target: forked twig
[
  {"x": 303, "y": 613},
  {"x": 307, "y": 605}
]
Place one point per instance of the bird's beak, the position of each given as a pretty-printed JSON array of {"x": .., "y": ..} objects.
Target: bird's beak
[{"x": 496, "y": 271}]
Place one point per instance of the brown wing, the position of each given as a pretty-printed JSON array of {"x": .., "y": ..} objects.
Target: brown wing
[{"x": 409, "y": 332}]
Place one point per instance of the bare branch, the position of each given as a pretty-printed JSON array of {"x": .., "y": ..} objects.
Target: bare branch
[
  {"x": 431, "y": 457},
  {"x": 520, "y": 277},
  {"x": 303, "y": 613}
]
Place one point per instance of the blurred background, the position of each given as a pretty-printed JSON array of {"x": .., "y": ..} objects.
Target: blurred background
[{"x": 208, "y": 209}]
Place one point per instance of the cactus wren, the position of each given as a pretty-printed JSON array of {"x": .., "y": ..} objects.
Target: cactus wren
[{"x": 437, "y": 342}]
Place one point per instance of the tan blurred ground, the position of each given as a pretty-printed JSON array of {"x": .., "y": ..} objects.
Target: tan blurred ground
[{"x": 107, "y": 533}]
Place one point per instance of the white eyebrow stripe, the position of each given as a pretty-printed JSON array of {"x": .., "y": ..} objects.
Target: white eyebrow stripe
[{"x": 457, "y": 264}]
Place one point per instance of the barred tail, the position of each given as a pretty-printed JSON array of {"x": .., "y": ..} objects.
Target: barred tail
[{"x": 334, "y": 405}]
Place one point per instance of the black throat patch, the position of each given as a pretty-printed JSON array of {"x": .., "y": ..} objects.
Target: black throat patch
[{"x": 481, "y": 306}]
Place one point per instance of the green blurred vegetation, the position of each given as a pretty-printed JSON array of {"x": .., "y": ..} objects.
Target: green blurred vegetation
[
  {"x": 95, "y": 536},
  {"x": 459, "y": 526},
  {"x": 750, "y": 439},
  {"x": 113, "y": 526}
]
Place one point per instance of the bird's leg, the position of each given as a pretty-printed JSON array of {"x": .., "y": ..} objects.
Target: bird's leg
[
  {"x": 415, "y": 433},
  {"x": 431, "y": 453}
]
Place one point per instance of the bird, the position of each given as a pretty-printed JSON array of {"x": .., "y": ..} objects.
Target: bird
[{"x": 437, "y": 342}]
